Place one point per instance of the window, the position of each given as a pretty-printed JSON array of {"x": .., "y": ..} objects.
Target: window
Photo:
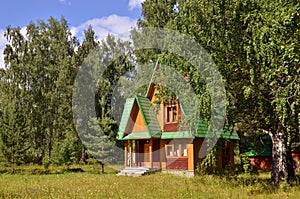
[
  {"x": 184, "y": 150},
  {"x": 176, "y": 149},
  {"x": 171, "y": 113},
  {"x": 169, "y": 150}
]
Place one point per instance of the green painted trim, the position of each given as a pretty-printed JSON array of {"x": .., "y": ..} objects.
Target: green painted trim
[
  {"x": 139, "y": 135},
  {"x": 182, "y": 109},
  {"x": 125, "y": 117},
  {"x": 266, "y": 149},
  {"x": 264, "y": 152},
  {"x": 179, "y": 134}
]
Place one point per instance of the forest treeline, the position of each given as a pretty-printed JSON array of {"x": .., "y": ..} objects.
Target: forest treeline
[
  {"x": 254, "y": 43},
  {"x": 36, "y": 92}
]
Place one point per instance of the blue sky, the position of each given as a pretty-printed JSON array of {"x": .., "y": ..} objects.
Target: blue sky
[{"x": 106, "y": 16}]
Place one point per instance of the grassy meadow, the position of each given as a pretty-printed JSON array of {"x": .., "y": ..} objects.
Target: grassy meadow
[{"x": 88, "y": 182}]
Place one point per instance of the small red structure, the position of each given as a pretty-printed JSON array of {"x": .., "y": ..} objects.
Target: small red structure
[
  {"x": 265, "y": 162},
  {"x": 261, "y": 162},
  {"x": 263, "y": 159}
]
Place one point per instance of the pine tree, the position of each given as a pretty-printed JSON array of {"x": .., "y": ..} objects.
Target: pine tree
[
  {"x": 103, "y": 64},
  {"x": 14, "y": 135},
  {"x": 88, "y": 45}
]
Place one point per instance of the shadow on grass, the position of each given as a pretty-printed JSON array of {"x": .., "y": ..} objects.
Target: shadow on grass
[
  {"x": 41, "y": 170},
  {"x": 254, "y": 183}
]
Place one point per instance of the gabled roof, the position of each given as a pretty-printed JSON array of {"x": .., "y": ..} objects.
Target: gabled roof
[
  {"x": 148, "y": 115},
  {"x": 125, "y": 117}
]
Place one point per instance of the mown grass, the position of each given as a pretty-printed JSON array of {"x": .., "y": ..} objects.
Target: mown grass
[{"x": 91, "y": 184}]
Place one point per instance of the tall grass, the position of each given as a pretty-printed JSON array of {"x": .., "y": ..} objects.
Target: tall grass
[{"x": 91, "y": 184}]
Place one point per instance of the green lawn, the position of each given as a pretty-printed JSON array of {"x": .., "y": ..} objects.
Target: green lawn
[{"x": 90, "y": 184}]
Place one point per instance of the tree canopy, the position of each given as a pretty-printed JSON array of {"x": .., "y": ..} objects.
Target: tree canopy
[
  {"x": 37, "y": 89},
  {"x": 255, "y": 45}
]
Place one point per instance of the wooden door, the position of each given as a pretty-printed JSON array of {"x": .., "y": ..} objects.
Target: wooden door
[{"x": 146, "y": 155}]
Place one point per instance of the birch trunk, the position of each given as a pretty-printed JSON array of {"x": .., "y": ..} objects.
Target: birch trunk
[{"x": 282, "y": 167}]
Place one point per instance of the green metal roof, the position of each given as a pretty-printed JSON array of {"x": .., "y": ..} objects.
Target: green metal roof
[
  {"x": 264, "y": 150},
  {"x": 225, "y": 133},
  {"x": 148, "y": 115},
  {"x": 202, "y": 130}
]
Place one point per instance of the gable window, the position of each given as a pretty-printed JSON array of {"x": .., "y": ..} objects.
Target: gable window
[{"x": 171, "y": 113}]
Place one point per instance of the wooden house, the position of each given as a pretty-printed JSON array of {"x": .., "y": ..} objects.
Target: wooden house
[{"x": 153, "y": 138}]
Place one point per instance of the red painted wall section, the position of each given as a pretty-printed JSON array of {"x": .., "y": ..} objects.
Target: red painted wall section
[
  {"x": 177, "y": 163},
  {"x": 172, "y": 127},
  {"x": 296, "y": 158}
]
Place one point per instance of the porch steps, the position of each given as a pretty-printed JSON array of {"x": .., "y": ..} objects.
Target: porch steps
[{"x": 137, "y": 171}]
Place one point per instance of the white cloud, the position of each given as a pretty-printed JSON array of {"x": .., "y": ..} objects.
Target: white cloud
[
  {"x": 1, "y": 59},
  {"x": 135, "y": 3},
  {"x": 113, "y": 24},
  {"x": 2, "y": 38},
  {"x": 65, "y": 2},
  {"x": 3, "y": 42},
  {"x": 2, "y": 46},
  {"x": 23, "y": 31}
]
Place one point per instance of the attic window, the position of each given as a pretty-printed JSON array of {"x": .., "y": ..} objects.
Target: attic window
[{"x": 171, "y": 113}]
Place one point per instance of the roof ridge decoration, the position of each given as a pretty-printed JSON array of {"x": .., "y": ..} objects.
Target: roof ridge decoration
[{"x": 157, "y": 63}]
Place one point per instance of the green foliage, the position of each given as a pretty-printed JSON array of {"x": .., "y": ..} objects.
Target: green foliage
[
  {"x": 245, "y": 162},
  {"x": 99, "y": 75},
  {"x": 98, "y": 143},
  {"x": 92, "y": 161},
  {"x": 255, "y": 45},
  {"x": 209, "y": 164},
  {"x": 40, "y": 69},
  {"x": 117, "y": 57},
  {"x": 67, "y": 151},
  {"x": 14, "y": 137}
]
